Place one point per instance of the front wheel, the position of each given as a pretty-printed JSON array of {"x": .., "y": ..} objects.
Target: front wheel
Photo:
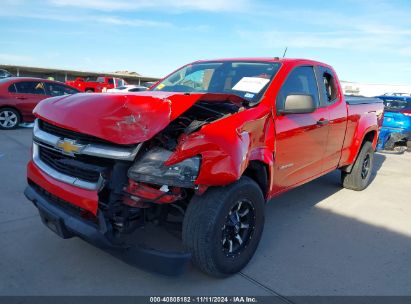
[
  {"x": 359, "y": 177},
  {"x": 222, "y": 227}
]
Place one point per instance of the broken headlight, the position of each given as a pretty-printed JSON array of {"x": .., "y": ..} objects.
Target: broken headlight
[{"x": 150, "y": 168}]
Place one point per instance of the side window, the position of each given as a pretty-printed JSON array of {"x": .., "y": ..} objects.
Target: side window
[
  {"x": 394, "y": 104},
  {"x": 300, "y": 81},
  {"x": 55, "y": 89},
  {"x": 110, "y": 81},
  {"x": 137, "y": 90},
  {"x": 119, "y": 82},
  {"x": 194, "y": 80},
  {"x": 12, "y": 89},
  {"x": 328, "y": 85},
  {"x": 30, "y": 87}
]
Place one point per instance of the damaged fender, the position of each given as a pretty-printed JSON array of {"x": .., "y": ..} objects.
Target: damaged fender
[
  {"x": 121, "y": 119},
  {"x": 226, "y": 155}
]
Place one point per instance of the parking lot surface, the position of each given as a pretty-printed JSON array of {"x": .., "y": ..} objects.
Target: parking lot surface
[{"x": 319, "y": 239}]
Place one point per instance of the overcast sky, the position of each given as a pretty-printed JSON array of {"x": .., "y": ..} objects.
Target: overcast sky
[{"x": 366, "y": 41}]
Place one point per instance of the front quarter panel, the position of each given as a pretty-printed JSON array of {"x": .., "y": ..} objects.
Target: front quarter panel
[{"x": 228, "y": 145}]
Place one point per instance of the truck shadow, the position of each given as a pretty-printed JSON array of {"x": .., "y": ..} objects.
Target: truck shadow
[
  {"x": 325, "y": 186},
  {"x": 315, "y": 246},
  {"x": 379, "y": 159}
]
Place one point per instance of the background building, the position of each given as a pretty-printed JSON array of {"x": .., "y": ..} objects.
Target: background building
[
  {"x": 369, "y": 90},
  {"x": 64, "y": 75}
]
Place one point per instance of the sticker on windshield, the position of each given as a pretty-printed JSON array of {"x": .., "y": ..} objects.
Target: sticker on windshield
[
  {"x": 249, "y": 95},
  {"x": 160, "y": 86},
  {"x": 251, "y": 84}
]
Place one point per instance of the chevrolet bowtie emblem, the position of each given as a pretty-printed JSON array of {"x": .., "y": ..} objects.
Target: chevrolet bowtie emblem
[{"x": 69, "y": 147}]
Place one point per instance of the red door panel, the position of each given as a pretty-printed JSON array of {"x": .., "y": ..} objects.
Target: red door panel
[
  {"x": 300, "y": 147},
  {"x": 300, "y": 138}
]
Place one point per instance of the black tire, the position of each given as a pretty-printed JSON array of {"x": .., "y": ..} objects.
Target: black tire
[
  {"x": 9, "y": 118},
  {"x": 208, "y": 227},
  {"x": 359, "y": 177},
  {"x": 89, "y": 91}
]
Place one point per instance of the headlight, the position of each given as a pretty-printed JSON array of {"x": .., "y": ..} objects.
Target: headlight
[{"x": 151, "y": 169}]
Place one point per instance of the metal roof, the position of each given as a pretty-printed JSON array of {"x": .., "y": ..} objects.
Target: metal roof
[{"x": 79, "y": 73}]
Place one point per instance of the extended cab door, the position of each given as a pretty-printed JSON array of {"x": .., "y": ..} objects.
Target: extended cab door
[
  {"x": 300, "y": 138},
  {"x": 331, "y": 98}
]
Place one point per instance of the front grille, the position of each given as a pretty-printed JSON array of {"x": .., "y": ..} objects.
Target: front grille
[
  {"x": 64, "y": 133},
  {"x": 83, "y": 167},
  {"x": 72, "y": 209}
]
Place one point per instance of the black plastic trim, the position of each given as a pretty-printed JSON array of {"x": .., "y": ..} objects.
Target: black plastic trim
[
  {"x": 66, "y": 226},
  {"x": 353, "y": 100}
]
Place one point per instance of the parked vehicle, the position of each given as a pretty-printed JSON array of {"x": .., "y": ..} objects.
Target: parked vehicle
[
  {"x": 5, "y": 74},
  {"x": 396, "y": 94},
  {"x": 19, "y": 96},
  {"x": 200, "y": 152},
  {"x": 396, "y": 127},
  {"x": 128, "y": 88},
  {"x": 102, "y": 84}
]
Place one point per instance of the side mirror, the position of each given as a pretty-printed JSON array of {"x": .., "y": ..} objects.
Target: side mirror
[{"x": 298, "y": 104}]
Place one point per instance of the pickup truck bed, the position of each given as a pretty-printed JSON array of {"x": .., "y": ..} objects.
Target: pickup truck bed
[{"x": 362, "y": 112}]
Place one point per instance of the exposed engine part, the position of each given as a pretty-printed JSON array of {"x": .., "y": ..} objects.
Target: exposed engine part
[
  {"x": 201, "y": 113},
  {"x": 128, "y": 204},
  {"x": 149, "y": 193}
]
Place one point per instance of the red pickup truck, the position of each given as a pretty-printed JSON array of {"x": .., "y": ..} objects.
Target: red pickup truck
[
  {"x": 200, "y": 153},
  {"x": 102, "y": 84}
]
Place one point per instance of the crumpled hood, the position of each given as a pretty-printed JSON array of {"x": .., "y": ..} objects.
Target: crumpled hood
[{"x": 119, "y": 118}]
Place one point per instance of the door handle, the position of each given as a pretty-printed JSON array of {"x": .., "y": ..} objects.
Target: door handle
[
  {"x": 323, "y": 122},
  {"x": 21, "y": 98}
]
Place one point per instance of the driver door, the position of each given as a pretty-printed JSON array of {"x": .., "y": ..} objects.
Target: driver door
[{"x": 300, "y": 138}]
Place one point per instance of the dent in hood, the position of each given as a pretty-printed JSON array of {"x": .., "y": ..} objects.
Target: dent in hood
[{"x": 119, "y": 118}]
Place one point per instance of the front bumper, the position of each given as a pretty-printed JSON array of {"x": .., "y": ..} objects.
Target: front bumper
[{"x": 66, "y": 225}]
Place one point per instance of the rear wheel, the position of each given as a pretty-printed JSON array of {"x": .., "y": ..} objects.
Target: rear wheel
[
  {"x": 222, "y": 227},
  {"x": 9, "y": 118},
  {"x": 89, "y": 91},
  {"x": 359, "y": 177}
]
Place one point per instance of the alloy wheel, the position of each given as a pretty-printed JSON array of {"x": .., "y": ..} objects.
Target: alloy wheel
[
  {"x": 366, "y": 166},
  {"x": 238, "y": 228},
  {"x": 8, "y": 119}
]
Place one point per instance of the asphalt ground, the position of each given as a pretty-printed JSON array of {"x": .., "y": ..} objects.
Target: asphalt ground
[{"x": 319, "y": 239}]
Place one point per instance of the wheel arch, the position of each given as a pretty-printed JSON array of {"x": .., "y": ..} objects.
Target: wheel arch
[
  {"x": 258, "y": 171},
  {"x": 14, "y": 108},
  {"x": 369, "y": 136}
]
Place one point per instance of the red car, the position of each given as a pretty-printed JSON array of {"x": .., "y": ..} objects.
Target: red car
[
  {"x": 200, "y": 154},
  {"x": 19, "y": 96},
  {"x": 102, "y": 84}
]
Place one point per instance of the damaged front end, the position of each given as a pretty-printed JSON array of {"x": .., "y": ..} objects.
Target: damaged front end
[
  {"x": 111, "y": 192},
  {"x": 395, "y": 133}
]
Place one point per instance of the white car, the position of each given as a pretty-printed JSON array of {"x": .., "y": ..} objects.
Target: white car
[{"x": 128, "y": 88}]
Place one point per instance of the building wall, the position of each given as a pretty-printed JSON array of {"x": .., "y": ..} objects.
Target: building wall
[
  {"x": 370, "y": 90},
  {"x": 63, "y": 75}
]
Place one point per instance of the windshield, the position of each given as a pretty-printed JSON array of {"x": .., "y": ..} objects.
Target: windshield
[
  {"x": 248, "y": 80},
  {"x": 396, "y": 104}
]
